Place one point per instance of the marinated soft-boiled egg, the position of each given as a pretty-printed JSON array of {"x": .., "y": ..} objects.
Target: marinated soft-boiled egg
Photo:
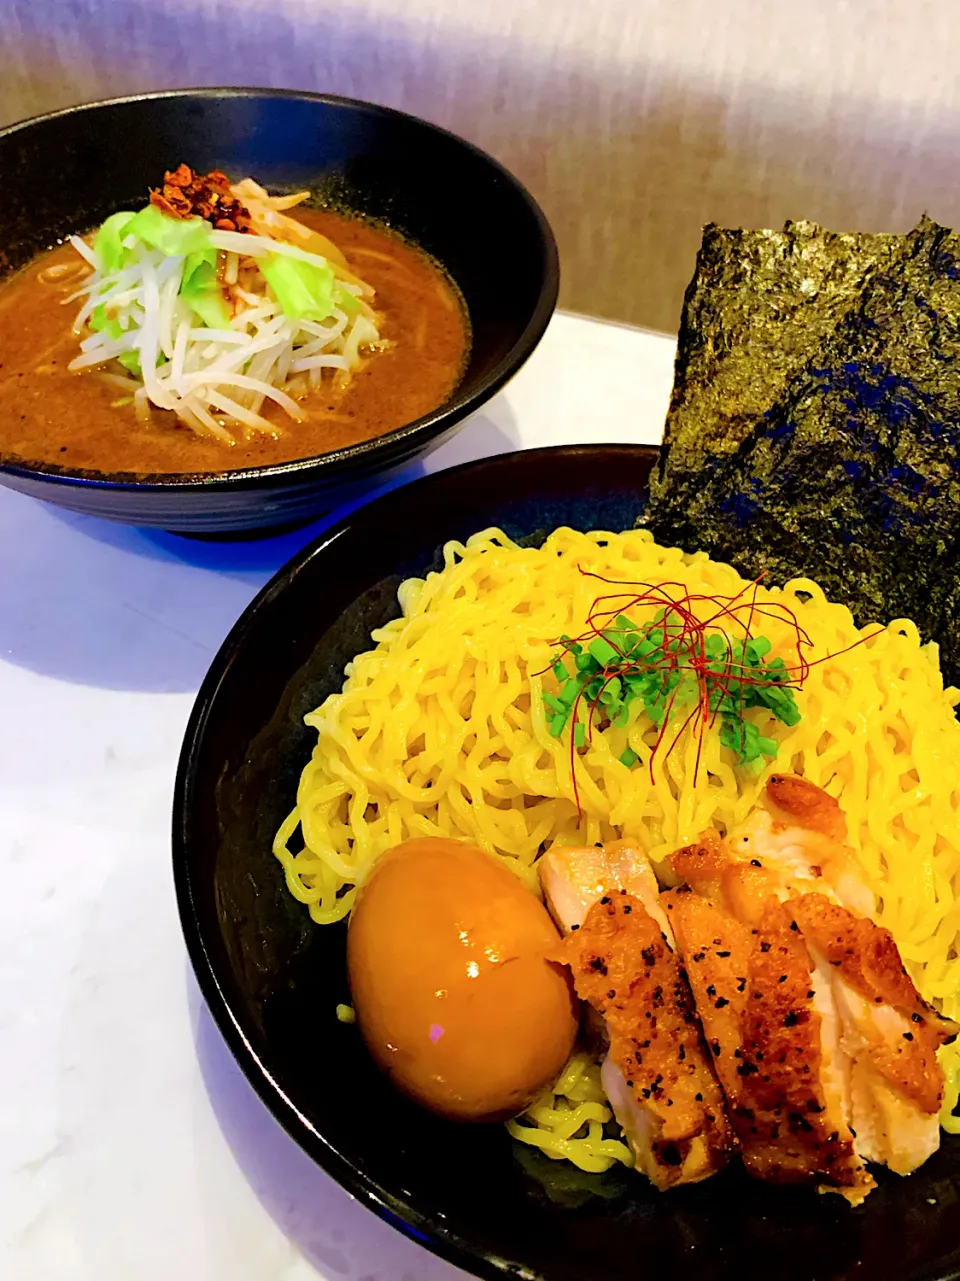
[{"x": 449, "y": 978}]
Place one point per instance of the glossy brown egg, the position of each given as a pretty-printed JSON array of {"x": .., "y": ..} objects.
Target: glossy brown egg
[{"x": 449, "y": 978}]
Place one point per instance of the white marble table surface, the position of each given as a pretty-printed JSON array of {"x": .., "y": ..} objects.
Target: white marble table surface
[{"x": 131, "y": 1147}]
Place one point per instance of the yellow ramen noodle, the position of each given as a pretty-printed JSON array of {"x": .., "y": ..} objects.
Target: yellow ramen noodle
[
  {"x": 567, "y": 1123},
  {"x": 440, "y": 730}
]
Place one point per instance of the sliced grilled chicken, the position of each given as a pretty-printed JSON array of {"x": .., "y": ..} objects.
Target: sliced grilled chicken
[
  {"x": 756, "y": 997},
  {"x": 797, "y": 800},
  {"x": 890, "y": 1034},
  {"x": 870, "y": 1041},
  {"x": 574, "y": 878},
  {"x": 656, "y": 1074},
  {"x": 799, "y": 835},
  {"x": 620, "y": 948}
]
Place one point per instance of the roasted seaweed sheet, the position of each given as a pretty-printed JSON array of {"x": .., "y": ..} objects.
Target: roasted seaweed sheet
[{"x": 813, "y": 428}]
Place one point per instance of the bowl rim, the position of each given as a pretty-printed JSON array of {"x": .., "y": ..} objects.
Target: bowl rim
[
  {"x": 398, "y": 441},
  {"x": 400, "y": 1213}
]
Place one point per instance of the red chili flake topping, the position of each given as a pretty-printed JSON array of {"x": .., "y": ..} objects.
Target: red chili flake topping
[{"x": 186, "y": 194}]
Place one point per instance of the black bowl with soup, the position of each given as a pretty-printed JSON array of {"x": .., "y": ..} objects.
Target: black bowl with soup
[{"x": 462, "y": 260}]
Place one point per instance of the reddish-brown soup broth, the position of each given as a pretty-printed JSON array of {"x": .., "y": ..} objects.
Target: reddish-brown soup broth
[{"x": 50, "y": 415}]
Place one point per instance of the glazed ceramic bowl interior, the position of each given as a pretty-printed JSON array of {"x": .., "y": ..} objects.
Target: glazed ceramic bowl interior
[
  {"x": 273, "y": 979},
  {"x": 66, "y": 172}
]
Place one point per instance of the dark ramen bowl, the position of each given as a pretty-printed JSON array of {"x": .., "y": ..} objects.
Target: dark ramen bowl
[
  {"x": 272, "y": 979},
  {"x": 67, "y": 171}
]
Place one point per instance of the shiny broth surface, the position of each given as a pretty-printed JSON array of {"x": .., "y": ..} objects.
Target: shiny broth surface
[{"x": 74, "y": 420}]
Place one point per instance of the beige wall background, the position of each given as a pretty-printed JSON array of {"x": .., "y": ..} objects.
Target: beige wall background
[{"x": 632, "y": 121}]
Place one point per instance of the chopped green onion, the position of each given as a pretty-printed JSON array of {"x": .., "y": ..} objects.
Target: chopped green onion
[
  {"x": 611, "y": 691},
  {"x": 654, "y": 664},
  {"x": 602, "y": 651},
  {"x": 555, "y": 726},
  {"x": 568, "y": 695}
]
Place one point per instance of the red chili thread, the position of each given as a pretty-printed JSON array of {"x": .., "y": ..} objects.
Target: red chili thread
[{"x": 680, "y": 624}]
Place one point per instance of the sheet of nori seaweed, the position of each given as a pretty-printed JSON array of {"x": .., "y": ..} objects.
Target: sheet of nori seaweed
[
  {"x": 822, "y": 441},
  {"x": 758, "y": 306}
]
